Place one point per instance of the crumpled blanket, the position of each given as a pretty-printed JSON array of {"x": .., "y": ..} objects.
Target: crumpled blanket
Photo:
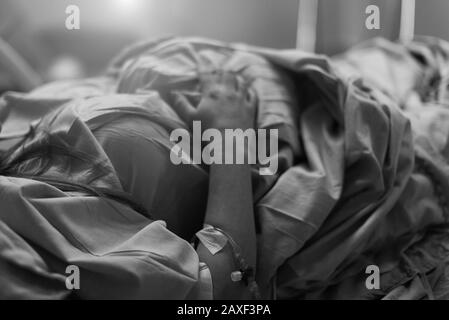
[
  {"x": 404, "y": 174},
  {"x": 363, "y": 174}
]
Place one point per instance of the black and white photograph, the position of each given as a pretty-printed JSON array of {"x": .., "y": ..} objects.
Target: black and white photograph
[{"x": 231, "y": 150}]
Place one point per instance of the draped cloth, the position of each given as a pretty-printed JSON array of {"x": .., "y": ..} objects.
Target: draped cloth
[{"x": 362, "y": 178}]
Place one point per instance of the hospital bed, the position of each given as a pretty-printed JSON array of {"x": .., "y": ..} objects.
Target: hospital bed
[{"x": 306, "y": 40}]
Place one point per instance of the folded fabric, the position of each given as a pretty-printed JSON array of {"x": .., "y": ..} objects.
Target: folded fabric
[{"x": 363, "y": 167}]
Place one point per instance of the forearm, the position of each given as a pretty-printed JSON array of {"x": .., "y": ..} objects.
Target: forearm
[
  {"x": 230, "y": 208},
  {"x": 230, "y": 205}
]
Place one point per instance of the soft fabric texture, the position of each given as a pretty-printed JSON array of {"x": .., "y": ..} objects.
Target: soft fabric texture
[{"x": 362, "y": 180}]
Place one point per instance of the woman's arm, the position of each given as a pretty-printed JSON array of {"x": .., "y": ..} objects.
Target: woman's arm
[
  {"x": 230, "y": 208},
  {"x": 227, "y": 104}
]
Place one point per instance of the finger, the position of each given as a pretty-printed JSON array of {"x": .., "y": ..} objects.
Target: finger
[
  {"x": 194, "y": 97},
  {"x": 252, "y": 100},
  {"x": 207, "y": 80},
  {"x": 242, "y": 85},
  {"x": 251, "y": 97},
  {"x": 182, "y": 107},
  {"x": 228, "y": 80}
]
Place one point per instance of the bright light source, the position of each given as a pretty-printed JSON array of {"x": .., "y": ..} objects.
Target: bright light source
[{"x": 128, "y": 5}]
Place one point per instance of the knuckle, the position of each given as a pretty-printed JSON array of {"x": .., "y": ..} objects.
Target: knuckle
[
  {"x": 232, "y": 96},
  {"x": 215, "y": 93}
]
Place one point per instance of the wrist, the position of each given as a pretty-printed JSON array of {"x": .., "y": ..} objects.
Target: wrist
[{"x": 238, "y": 146}]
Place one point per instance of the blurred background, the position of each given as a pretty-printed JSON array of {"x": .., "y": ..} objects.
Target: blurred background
[
  {"x": 341, "y": 23},
  {"x": 36, "y": 28}
]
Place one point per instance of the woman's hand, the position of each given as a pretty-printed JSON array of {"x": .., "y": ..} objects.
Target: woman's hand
[{"x": 227, "y": 103}]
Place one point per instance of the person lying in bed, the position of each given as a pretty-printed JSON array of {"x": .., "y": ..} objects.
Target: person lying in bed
[
  {"x": 63, "y": 204},
  {"x": 118, "y": 133},
  {"x": 358, "y": 184}
]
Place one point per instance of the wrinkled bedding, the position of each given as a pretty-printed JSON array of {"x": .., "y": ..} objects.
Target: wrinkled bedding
[{"x": 363, "y": 161}]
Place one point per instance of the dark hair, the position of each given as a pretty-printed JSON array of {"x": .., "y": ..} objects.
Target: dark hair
[{"x": 15, "y": 162}]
